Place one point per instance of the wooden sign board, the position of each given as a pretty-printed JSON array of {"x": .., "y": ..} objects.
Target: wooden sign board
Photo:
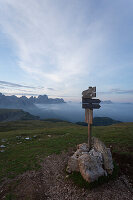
[
  {"x": 88, "y": 100},
  {"x": 90, "y": 106},
  {"x": 91, "y": 92},
  {"x": 92, "y": 89},
  {"x": 89, "y": 95}
]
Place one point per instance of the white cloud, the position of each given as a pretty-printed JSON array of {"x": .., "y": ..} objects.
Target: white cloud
[
  {"x": 67, "y": 45},
  {"x": 53, "y": 41}
]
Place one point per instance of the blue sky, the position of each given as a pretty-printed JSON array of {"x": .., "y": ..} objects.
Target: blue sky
[{"x": 60, "y": 47}]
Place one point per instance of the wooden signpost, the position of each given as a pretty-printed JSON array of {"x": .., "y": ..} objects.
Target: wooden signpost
[{"x": 89, "y": 104}]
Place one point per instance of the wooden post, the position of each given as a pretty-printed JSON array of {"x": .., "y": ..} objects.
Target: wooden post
[
  {"x": 89, "y": 136},
  {"x": 87, "y": 115},
  {"x": 89, "y": 104},
  {"x": 90, "y": 121}
]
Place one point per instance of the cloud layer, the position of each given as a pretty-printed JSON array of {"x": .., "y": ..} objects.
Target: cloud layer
[
  {"x": 69, "y": 45},
  {"x": 17, "y": 89},
  {"x": 54, "y": 41},
  {"x": 9, "y": 84}
]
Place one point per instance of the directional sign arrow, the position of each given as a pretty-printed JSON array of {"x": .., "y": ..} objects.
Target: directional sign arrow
[
  {"x": 88, "y": 100},
  {"x": 90, "y": 106}
]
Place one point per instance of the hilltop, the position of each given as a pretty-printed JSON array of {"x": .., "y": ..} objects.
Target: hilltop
[
  {"x": 32, "y": 164},
  {"x": 15, "y": 114},
  {"x": 19, "y": 114},
  {"x": 101, "y": 121}
]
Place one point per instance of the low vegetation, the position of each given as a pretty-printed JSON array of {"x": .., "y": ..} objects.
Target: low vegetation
[
  {"x": 24, "y": 144},
  {"x": 100, "y": 121},
  {"x": 15, "y": 114}
]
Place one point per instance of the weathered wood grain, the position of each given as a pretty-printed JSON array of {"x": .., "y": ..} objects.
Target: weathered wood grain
[
  {"x": 90, "y": 106},
  {"x": 88, "y": 100}
]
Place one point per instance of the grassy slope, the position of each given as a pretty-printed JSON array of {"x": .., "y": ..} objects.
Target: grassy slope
[
  {"x": 5, "y": 110},
  {"x": 15, "y": 114},
  {"x": 100, "y": 121},
  {"x": 50, "y": 137}
]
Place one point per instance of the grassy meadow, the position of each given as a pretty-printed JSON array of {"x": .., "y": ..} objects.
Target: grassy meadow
[{"x": 24, "y": 144}]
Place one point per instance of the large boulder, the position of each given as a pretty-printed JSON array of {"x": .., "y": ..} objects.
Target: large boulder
[
  {"x": 83, "y": 147},
  {"x": 106, "y": 154},
  {"x": 73, "y": 163},
  {"x": 91, "y": 164}
]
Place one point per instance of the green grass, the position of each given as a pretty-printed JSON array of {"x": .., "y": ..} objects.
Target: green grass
[{"x": 52, "y": 137}]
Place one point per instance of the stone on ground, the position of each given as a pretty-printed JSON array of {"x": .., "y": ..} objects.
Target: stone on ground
[
  {"x": 106, "y": 153},
  {"x": 91, "y": 164}
]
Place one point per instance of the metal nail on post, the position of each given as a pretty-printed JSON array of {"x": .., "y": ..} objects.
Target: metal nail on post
[{"x": 89, "y": 104}]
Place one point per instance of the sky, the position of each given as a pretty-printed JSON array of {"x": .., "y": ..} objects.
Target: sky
[{"x": 61, "y": 47}]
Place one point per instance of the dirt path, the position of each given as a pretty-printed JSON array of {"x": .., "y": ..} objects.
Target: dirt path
[{"x": 51, "y": 183}]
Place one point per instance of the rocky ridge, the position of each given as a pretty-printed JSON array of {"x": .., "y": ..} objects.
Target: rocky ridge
[{"x": 24, "y": 102}]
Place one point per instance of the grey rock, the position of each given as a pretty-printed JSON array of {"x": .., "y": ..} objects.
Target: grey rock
[
  {"x": 91, "y": 167},
  {"x": 91, "y": 164},
  {"x": 106, "y": 153},
  {"x": 72, "y": 164},
  {"x": 2, "y": 146},
  {"x": 83, "y": 147}
]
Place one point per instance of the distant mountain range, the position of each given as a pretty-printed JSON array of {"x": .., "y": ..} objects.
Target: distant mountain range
[
  {"x": 15, "y": 114},
  {"x": 24, "y": 102}
]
